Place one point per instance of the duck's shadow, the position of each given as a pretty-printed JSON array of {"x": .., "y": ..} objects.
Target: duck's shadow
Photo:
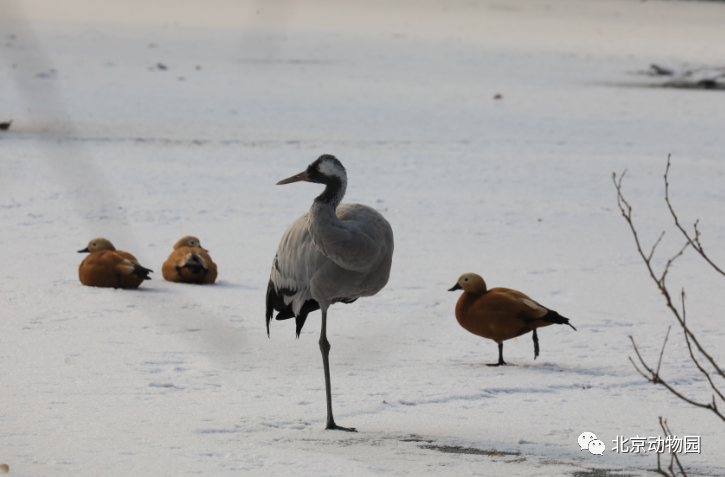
[{"x": 543, "y": 367}]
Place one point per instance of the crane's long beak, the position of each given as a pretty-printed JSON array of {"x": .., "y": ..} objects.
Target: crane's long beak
[
  {"x": 85, "y": 250},
  {"x": 302, "y": 176},
  {"x": 455, "y": 287}
]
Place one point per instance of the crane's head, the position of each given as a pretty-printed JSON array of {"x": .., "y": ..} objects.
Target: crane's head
[
  {"x": 325, "y": 170},
  {"x": 471, "y": 283},
  {"x": 188, "y": 241},
  {"x": 98, "y": 244}
]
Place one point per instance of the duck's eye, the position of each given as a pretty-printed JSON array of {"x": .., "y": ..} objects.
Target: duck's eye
[
  {"x": 93, "y": 245},
  {"x": 465, "y": 279}
]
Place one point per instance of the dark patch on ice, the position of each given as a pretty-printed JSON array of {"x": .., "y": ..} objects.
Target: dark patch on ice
[
  {"x": 705, "y": 84},
  {"x": 468, "y": 450},
  {"x": 217, "y": 431},
  {"x": 686, "y": 77},
  {"x": 289, "y": 61},
  {"x": 163, "y": 385},
  {"x": 601, "y": 473},
  {"x": 416, "y": 438}
]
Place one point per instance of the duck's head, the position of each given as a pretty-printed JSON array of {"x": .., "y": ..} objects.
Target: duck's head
[
  {"x": 98, "y": 244},
  {"x": 470, "y": 283},
  {"x": 189, "y": 241}
]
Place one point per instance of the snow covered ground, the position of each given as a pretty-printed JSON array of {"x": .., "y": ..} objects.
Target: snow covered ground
[{"x": 143, "y": 123}]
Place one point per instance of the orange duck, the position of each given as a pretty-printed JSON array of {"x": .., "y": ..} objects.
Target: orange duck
[
  {"x": 189, "y": 263},
  {"x": 110, "y": 268},
  {"x": 500, "y": 314}
]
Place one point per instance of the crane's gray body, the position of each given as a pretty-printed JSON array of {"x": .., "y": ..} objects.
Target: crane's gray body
[{"x": 329, "y": 258}]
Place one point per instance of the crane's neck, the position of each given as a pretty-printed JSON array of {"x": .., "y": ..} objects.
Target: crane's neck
[
  {"x": 333, "y": 193},
  {"x": 324, "y": 222}
]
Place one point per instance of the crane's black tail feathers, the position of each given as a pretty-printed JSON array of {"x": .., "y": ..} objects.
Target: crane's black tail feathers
[
  {"x": 275, "y": 302},
  {"x": 556, "y": 318}
]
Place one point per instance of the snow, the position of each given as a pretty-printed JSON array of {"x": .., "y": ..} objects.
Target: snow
[{"x": 174, "y": 380}]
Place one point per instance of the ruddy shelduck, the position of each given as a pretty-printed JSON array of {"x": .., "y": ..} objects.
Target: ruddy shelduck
[
  {"x": 500, "y": 314},
  {"x": 110, "y": 268},
  {"x": 189, "y": 263}
]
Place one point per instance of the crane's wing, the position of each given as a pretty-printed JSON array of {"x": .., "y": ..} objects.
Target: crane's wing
[
  {"x": 359, "y": 242},
  {"x": 296, "y": 261}
]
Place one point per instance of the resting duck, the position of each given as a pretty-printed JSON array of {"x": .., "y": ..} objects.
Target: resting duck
[
  {"x": 189, "y": 263},
  {"x": 500, "y": 314},
  {"x": 110, "y": 268}
]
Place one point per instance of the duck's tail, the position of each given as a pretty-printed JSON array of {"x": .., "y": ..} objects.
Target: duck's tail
[
  {"x": 556, "y": 318},
  {"x": 141, "y": 272}
]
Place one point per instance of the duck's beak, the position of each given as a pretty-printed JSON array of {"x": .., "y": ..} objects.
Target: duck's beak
[
  {"x": 455, "y": 287},
  {"x": 85, "y": 250},
  {"x": 302, "y": 176}
]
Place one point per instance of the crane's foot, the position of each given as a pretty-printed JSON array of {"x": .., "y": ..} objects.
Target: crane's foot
[
  {"x": 331, "y": 426},
  {"x": 500, "y": 363}
]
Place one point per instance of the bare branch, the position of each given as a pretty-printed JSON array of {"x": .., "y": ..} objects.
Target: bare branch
[
  {"x": 692, "y": 355},
  {"x": 655, "y": 378},
  {"x": 626, "y": 210},
  {"x": 695, "y": 242},
  {"x": 673, "y": 455}
]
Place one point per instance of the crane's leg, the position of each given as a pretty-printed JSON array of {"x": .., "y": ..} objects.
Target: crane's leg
[
  {"x": 536, "y": 344},
  {"x": 325, "y": 350},
  {"x": 500, "y": 357}
]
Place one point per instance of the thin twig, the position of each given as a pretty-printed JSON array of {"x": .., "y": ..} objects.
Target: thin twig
[{"x": 662, "y": 351}]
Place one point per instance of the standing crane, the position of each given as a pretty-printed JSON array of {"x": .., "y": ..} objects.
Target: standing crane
[{"x": 333, "y": 253}]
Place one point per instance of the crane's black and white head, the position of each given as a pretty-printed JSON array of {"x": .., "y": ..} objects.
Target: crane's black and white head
[{"x": 328, "y": 170}]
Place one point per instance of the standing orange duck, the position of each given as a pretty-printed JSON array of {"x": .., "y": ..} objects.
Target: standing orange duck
[
  {"x": 110, "y": 268},
  {"x": 189, "y": 263},
  {"x": 500, "y": 314}
]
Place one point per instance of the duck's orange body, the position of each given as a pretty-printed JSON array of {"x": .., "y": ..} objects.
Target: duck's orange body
[
  {"x": 500, "y": 314},
  {"x": 189, "y": 263},
  {"x": 107, "y": 267}
]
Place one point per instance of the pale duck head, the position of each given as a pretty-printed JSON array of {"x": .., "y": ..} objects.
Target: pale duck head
[
  {"x": 98, "y": 244},
  {"x": 470, "y": 283},
  {"x": 188, "y": 241}
]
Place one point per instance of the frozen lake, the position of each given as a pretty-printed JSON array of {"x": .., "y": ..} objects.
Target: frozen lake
[{"x": 144, "y": 123}]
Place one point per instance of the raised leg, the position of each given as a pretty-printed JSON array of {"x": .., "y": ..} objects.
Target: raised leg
[
  {"x": 536, "y": 345},
  {"x": 325, "y": 350},
  {"x": 500, "y": 357}
]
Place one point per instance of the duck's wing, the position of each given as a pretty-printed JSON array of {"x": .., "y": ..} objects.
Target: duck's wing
[{"x": 537, "y": 310}]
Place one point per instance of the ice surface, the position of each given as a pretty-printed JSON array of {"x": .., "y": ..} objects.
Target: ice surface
[{"x": 173, "y": 380}]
